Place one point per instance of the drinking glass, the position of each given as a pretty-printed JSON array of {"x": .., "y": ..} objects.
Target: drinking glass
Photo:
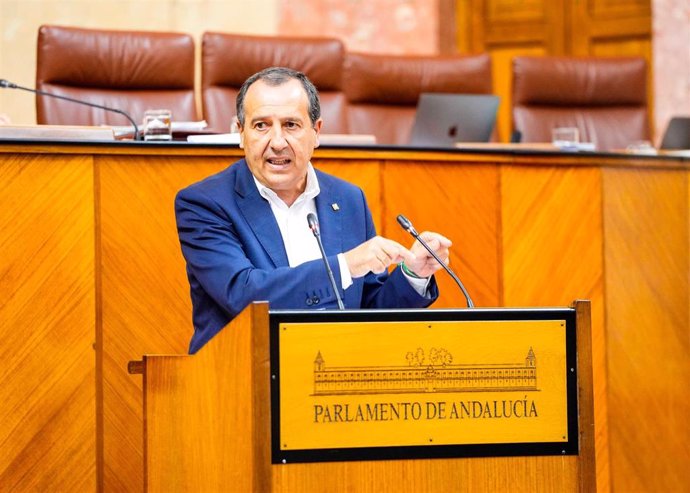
[
  {"x": 158, "y": 125},
  {"x": 565, "y": 137}
]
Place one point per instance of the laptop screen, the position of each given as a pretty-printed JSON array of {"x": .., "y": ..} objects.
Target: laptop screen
[
  {"x": 677, "y": 135},
  {"x": 445, "y": 119}
]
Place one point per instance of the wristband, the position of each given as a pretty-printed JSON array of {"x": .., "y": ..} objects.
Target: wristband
[{"x": 407, "y": 271}]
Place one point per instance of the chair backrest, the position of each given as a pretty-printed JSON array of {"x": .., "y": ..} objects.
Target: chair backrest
[
  {"x": 605, "y": 98},
  {"x": 382, "y": 90},
  {"x": 227, "y": 60},
  {"x": 128, "y": 70}
]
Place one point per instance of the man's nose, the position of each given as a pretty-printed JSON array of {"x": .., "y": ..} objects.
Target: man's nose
[{"x": 278, "y": 138}]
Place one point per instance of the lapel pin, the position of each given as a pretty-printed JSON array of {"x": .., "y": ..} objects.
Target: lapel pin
[{"x": 335, "y": 206}]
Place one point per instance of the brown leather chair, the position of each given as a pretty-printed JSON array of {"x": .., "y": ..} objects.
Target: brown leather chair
[
  {"x": 227, "y": 60},
  {"x": 605, "y": 98},
  {"x": 382, "y": 90},
  {"x": 127, "y": 70}
]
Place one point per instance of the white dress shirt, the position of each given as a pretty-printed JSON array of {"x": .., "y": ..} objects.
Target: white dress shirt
[{"x": 299, "y": 241}]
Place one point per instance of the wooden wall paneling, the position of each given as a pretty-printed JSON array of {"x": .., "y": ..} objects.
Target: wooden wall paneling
[
  {"x": 462, "y": 29},
  {"x": 647, "y": 278},
  {"x": 641, "y": 46},
  {"x": 459, "y": 201},
  {"x": 525, "y": 22},
  {"x": 560, "y": 28},
  {"x": 365, "y": 173},
  {"x": 47, "y": 324},
  {"x": 547, "y": 221},
  {"x": 552, "y": 237},
  {"x": 484, "y": 23},
  {"x": 145, "y": 293},
  {"x": 608, "y": 20}
]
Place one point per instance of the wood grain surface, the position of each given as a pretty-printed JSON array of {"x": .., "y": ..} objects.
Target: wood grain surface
[
  {"x": 145, "y": 294},
  {"x": 47, "y": 324},
  {"x": 89, "y": 258},
  {"x": 201, "y": 438},
  {"x": 648, "y": 340}
]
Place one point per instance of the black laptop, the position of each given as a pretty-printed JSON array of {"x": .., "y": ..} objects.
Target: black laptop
[
  {"x": 442, "y": 120},
  {"x": 677, "y": 135}
]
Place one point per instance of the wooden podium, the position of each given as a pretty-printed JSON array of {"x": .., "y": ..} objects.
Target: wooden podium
[{"x": 211, "y": 419}]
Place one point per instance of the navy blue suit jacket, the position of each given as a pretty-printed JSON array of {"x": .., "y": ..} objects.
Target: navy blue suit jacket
[{"x": 235, "y": 253}]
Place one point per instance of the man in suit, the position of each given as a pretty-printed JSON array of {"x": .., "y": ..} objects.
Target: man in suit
[{"x": 244, "y": 232}]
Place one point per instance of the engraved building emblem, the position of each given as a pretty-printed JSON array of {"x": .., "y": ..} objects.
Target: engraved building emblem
[{"x": 434, "y": 372}]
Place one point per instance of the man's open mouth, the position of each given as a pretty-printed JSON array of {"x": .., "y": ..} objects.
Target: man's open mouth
[{"x": 279, "y": 161}]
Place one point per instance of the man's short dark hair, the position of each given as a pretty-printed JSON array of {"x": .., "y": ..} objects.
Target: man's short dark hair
[{"x": 276, "y": 76}]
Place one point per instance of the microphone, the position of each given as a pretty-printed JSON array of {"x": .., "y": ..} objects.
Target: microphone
[
  {"x": 314, "y": 226},
  {"x": 11, "y": 85},
  {"x": 407, "y": 226}
]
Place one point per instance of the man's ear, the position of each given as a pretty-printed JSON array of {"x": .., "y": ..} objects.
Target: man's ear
[
  {"x": 317, "y": 130},
  {"x": 236, "y": 127}
]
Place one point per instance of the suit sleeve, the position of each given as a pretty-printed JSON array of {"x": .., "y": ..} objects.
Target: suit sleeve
[{"x": 226, "y": 263}]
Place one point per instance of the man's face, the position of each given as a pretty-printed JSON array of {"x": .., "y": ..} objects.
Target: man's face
[{"x": 277, "y": 137}]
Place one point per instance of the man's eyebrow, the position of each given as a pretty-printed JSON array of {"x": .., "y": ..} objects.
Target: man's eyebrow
[
  {"x": 258, "y": 119},
  {"x": 290, "y": 118}
]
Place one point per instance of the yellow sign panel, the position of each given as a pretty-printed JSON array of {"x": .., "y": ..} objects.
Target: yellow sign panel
[{"x": 389, "y": 384}]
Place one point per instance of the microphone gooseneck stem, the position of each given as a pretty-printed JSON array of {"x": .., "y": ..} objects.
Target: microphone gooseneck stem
[
  {"x": 407, "y": 226},
  {"x": 11, "y": 85},
  {"x": 314, "y": 226},
  {"x": 330, "y": 276}
]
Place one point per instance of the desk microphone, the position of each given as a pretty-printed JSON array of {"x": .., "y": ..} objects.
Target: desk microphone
[
  {"x": 314, "y": 226},
  {"x": 407, "y": 226},
  {"x": 11, "y": 85}
]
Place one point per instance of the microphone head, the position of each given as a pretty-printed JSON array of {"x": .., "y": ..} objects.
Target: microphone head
[
  {"x": 313, "y": 223},
  {"x": 6, "y": 83},
  {"x": 406, "y": 225}
]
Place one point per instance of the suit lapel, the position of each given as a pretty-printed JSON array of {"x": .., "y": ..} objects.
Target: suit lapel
[
  {"x": 257, "y": 211},
  {"x": 330, "y": 217}
]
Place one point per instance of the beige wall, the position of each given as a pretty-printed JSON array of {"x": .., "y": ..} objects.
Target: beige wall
[
  {"x": 671, "y": 42},
  {"x": 371, "y": 26},
  {"x": 20, "y": 20}
]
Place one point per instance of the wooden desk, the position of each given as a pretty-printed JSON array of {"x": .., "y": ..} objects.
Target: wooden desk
[{"x": 91, "y": 276}]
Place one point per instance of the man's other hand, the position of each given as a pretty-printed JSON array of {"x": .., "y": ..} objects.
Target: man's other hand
[
  {"x": 376, "y": 255},
  {"x": 424, "y": 265}
]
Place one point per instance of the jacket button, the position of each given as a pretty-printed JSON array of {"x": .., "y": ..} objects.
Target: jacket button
[
  {"x": 309, "y": 302},
  {"x": 316, "y": 300}
]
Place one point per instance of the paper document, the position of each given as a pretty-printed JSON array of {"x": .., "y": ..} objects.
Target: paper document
[
  {"x": 215, "y": 138},
  {"x": 189, "y": 126}
]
